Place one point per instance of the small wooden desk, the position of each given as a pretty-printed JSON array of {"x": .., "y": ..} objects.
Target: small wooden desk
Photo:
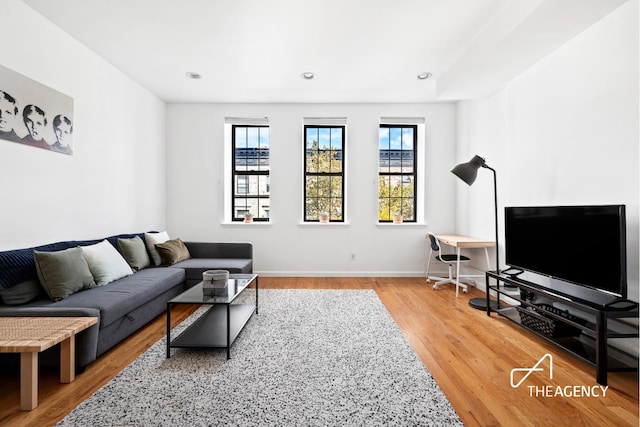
[
  {"x": 31, "y": 335},
  {"x": 459, "y": 242}
]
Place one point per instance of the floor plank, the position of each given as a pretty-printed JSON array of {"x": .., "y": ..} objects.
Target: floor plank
[{"x": 469, "y": 354}]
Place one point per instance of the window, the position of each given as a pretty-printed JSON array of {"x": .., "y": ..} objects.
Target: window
[
  {"x": 324, "y": 172},
  {"x": 397, "y": 172},
  {"x": 251, "y": 187}
]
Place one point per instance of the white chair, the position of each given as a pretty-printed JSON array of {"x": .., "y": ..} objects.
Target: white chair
[{"x": 450, "y": 260}]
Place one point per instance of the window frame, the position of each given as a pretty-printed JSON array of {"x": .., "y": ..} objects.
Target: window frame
[
  {"x": 342, "y": 173},
  {"x": 401, "y": 174},
  {"x": 248, "y": 173}
]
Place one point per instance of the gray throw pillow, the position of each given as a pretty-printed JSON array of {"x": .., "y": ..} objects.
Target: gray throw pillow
[
  {"x": 21, "y": 293},
  {"x": 63, "y": 273},
  {"x": 135, "y": 252}
]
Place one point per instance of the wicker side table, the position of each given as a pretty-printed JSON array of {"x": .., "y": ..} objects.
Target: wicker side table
[{"x": 31, "y": 335}]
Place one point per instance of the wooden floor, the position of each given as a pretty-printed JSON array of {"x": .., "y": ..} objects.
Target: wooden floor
[{"x": 469, "y": 354}]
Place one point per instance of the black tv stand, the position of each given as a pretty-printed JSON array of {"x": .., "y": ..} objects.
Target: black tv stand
[{"x": 585, "y": 336}]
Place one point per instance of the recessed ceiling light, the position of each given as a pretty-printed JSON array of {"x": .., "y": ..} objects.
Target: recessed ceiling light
[
  {"x": 307, "y": 75},
  {"x": 424, "y": 76},
  {"x": 193, "y": 75}
]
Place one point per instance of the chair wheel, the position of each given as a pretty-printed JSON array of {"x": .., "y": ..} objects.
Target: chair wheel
[{"x": 435, "y": 286}]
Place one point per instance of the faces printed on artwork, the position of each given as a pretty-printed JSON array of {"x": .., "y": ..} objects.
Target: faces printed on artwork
[
  {"x": 35, "y": 125},
  {"x": 63, "y": 129},
  {"x": 8, "y": 112},
  {"x": 35, "y": 121}
]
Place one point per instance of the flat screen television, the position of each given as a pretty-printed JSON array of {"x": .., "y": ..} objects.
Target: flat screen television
[{"x": 583, "y": 245}]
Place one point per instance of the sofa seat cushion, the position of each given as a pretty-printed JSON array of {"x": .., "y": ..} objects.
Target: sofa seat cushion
[
  {"x": 194, "y": 267},
  {"x": 119, "y": 298}
]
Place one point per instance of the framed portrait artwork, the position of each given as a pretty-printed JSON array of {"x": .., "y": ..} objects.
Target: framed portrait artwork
[{"x": 34, "y": 114}]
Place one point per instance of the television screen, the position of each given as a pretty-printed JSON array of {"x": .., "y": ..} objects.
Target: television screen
[{"x": 584, "y": 245}]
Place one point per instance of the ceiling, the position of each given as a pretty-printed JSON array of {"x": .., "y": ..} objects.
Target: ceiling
[{"x": 359, "y": 50}]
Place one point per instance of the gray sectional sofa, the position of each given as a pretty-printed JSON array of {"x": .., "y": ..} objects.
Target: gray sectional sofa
[{"x": 122, "y": 306}]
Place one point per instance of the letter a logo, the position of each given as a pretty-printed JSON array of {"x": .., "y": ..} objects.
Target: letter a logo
[{"x": 534, "y": 368}]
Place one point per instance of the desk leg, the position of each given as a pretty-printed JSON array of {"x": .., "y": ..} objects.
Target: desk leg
[
  {"x": 68, "y": 360},
  {"x": 28, "y": 380},
  {"x": 458, "y": 271},
  {"x": 486, "y": 254}
]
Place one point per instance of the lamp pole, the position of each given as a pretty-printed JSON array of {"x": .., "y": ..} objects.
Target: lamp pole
[{"x": 468, "y": 173}]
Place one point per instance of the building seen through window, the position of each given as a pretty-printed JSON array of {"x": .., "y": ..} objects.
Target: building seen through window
[
  {"x": 324, "y": 172},
  {"x": 397, "y": 172},
  {"x": 251, "y": 186}
]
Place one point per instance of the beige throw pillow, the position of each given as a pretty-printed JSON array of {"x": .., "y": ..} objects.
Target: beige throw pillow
[
  {"x": 152, "y": 239},
  {"x": 172, "y": 251}
]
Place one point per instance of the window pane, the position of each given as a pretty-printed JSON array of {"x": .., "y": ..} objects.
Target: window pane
[
  {"x": 312, "y": 138},
  {"x": 395, "y": 138},
  {"x": 323, "y": 186},
  {"x": 336, "y": 138},
  {"x": 407, "y": 161},
  {"x": 397, "y": 172},
  {"x": 250, "y": 174},
  {"x": 263, "y": 185},
  {"x": 407, "y": 186},
  {"x": 264, "y": 137},
  {"x": 335, "y": 208},
  {"x": 385, "y": 161},
  {"x": 324, "y": 141},
  {"x": 408, "y": 209},
  {"x": 336, "y": 161},
  {"x": 311, "y": 209},
  {"x": 242, "y": 184},
  {"x": 312, "y": 161},
  {"x": 384, "y": 210}
]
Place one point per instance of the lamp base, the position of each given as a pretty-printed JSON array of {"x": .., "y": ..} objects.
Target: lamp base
[{"x": 481, "y": 304}]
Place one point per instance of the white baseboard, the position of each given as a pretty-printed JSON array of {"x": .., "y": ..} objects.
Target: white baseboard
[{"x": 341, "y": 273}]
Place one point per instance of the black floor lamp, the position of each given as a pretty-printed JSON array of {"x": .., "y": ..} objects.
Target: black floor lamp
[{"x": 468, "y": 173}]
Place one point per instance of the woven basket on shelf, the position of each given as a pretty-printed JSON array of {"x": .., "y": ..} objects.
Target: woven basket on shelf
[{"x": 536, "y": 320}]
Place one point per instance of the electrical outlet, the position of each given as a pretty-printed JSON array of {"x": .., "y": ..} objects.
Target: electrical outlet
[{"x": 353, "y": 256}]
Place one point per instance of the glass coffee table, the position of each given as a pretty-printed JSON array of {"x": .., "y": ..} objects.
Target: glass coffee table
[{"x": 221, "y": 324}]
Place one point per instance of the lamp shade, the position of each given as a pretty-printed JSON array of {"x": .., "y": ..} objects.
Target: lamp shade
[{"x": 469, "y": 171}]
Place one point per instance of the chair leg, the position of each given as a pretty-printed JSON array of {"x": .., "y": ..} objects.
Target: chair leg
[{"x": 453, "y": 279}]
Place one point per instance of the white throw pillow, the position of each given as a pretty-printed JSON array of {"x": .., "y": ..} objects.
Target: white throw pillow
[
  {"x": 105, "y": 262},
  {"x": 151, "y": 239}
]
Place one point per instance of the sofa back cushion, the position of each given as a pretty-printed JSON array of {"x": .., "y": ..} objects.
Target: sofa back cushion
[{"x": 18, "y": 265}]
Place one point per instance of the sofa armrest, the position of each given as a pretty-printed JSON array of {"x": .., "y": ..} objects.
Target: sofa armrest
[{"x": 240, "y": 250}]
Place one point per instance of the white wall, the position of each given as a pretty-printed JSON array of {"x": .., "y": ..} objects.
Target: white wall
[
  {"x": 115, "y": 181},
  {"x": 564, "y": 132},
  {"x": 195, "y": 176}
]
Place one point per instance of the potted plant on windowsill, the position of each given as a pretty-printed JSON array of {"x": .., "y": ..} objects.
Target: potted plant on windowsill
[
  {"x": 397, "y": 218},
  {"x": 323, "y": 217},
  {"x": 248, "y": 218}
]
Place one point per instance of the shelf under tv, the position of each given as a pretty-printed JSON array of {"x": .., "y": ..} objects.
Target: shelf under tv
[{"x": 589, "y": 338}]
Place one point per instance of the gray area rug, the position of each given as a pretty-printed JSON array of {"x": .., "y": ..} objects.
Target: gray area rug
[{"x": 309, "y": 358}]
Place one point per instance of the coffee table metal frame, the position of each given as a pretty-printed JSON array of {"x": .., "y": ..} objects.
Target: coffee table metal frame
[{"x": 221, "y": 324}]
